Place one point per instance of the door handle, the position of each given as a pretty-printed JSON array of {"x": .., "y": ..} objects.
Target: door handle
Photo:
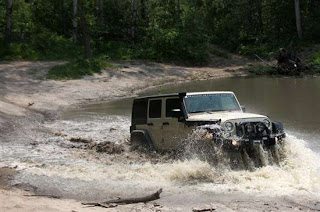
[
  {"x": 165, "y": 123},
  {"x": 150, "y": 124}
]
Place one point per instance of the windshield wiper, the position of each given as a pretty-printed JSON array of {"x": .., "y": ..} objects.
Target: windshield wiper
[
  {"x": 210, "y": 111},
  {"x": 198, "y": 111},
  {"x": 202, "y": 111}
]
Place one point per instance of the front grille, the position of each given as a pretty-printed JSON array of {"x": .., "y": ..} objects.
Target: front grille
[{"x": 251, "y": 129}]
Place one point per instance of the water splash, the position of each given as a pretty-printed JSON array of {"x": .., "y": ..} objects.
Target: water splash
[
  {"x": 298, "y": 171},
  {"x": 205, "y": 145}
]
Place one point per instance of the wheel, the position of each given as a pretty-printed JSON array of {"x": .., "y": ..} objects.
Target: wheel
[
  {"x": 261, "y": 156},
  {"x": 139, "y": 142},
  {"x": 275, "y": 153},
  {"x": 247, "y": 161}
]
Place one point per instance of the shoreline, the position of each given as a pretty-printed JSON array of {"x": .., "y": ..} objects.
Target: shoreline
[
  {"x": 15, "y": 107},
  {"x": 93, "y": 87}
]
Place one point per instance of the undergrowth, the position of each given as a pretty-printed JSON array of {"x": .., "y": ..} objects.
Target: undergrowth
[
  {"x": 75, "y": 69},
  {"x": 262, "y": 70}
]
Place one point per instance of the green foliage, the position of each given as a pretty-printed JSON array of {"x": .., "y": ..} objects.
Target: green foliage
[
  {"x": 315, "y": 58},
  {"x": 219, "y": 53},
  {"x": 262, "y": 70},
  {"x": 263, "y": 51},
  {"x": 16, "y": 51},
  {"x": 168, "y": 30},
  {"x": 116, "y": 50},
  {"x": 78, "y": 68},
  {"x": 44, "y": 46},
  {"x": 315, "y": 62}
]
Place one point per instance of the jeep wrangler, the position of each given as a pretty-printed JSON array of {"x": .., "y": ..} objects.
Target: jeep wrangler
[{"x": 162, "y": 122}]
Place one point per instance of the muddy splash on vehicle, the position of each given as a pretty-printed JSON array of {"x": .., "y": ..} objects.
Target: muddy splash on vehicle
[{"x": 206, "y": 142}]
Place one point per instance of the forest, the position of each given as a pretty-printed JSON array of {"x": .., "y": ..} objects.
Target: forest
[{"x": 164, "y": 30}]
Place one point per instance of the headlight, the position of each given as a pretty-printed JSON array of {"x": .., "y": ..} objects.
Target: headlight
[
  {"x": 249, "y": 128},
  {"x": 228, "y": 126},
  {"x": 266, "y": 122},
  {"x": 260, "y": 127}
]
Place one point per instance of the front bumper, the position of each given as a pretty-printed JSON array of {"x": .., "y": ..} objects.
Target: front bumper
[{"x": 249, "y": 143}]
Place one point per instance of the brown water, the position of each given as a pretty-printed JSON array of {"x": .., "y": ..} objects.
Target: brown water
[
  {"x": 81, "y": 174},
  {"x": 293, "y": 101}
]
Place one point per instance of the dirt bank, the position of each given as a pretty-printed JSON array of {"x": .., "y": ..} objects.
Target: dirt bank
[{"x": 28, "y": 103}]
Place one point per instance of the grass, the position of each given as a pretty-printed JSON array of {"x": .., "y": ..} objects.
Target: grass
[
  {"x": 78, "y": 68},
  {"x": 262, "y": 70}
]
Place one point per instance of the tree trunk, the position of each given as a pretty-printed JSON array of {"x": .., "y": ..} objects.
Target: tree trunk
[
  {"x": 8, "y": 21},
  {"x": 75, "y": 20},
  {"x": 85, "y": 33},
  {"x": 145, "y": 11},
  {"x": 133, "y": 22},
  {"x": 298, "y": 18},
  {"x": 100, "y": 12},
  {"x": 63, "y": 17},
  {"x": 260, "y": 19}
]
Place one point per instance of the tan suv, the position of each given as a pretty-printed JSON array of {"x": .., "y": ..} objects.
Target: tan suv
[{"x": 162, "y": 122}]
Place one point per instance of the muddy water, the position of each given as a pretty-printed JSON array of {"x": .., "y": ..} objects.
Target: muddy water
[
  {"x": 293, "y": 101},
  {"x": 82, "y": 174}
]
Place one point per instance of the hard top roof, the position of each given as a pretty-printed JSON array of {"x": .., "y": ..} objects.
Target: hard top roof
[
  {"x": 208, "y": 92},
  {"x": 158, "y": 96},
  {"x": 182, "y": 94}
]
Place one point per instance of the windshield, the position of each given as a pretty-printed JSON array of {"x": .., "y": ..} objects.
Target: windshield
[{"x": 211, "y": 102}]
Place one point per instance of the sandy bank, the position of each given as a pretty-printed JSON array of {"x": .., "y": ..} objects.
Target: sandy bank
[{"x": 27, "y": 99}]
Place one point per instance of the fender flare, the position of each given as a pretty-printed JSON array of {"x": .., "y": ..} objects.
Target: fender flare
[
  {"x": 277, "y": 127},
  {"x": 145, "y": 135}
]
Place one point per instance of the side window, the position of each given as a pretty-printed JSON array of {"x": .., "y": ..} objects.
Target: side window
[
  {"x": 139, "y": 111},
  {"x": 172, "y": 104},
  {"x": 155, "y": 108}
]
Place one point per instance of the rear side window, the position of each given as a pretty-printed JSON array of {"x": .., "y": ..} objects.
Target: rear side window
[
  {"x": 139, "y": 112},
  {"x": 172, "y": 104},
  {"x": 155, "y": 108}
]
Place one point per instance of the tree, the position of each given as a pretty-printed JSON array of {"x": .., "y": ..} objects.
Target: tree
[
  {"x": 75, "y": 20},
  {"x": 85, "y": 33},
  {"x": 133, "y": 22},
  {"x": 145, "y": 11},
  {"x": 8, "y": 20},
  {"x": 298, "y": 18},
  {"x": 100, "y": 13}
]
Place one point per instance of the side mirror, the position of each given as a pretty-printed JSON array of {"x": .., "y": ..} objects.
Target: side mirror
[
  {"x": 176, "y": 113},
  {"x": 243, "y": 108}
]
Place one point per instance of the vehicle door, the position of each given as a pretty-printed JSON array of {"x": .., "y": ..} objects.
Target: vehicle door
[
  {"x": 155, "y": 122},
  {"x": 173, "y": 126}
]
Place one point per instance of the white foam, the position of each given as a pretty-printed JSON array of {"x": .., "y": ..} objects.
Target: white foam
[{"x": 299, "y": 173}]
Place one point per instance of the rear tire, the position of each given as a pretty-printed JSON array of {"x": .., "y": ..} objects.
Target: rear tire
[{"x": 139, "y": 142}]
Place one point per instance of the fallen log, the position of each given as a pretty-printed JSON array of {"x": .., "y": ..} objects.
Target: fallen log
[
  {"x": 120, "y": 201},
  {"x": 204, "y": 209},
  {"x": 264, "y": 61},
  {"x": 42, "y": 195}
]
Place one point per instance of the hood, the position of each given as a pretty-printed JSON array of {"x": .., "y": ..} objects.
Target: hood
[{"x": 224, "y": 116}]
